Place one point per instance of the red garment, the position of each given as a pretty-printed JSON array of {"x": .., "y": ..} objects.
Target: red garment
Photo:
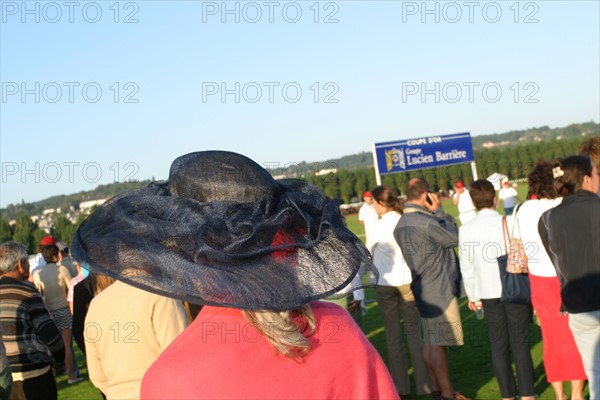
[
  {"x": 562, "y": 360},
  {"x": 222, "y": 356}
]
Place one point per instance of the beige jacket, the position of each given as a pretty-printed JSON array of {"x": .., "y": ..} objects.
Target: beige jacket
[
  {"x": 126, "y": 329},
  {"x": 53, "y": 283}
]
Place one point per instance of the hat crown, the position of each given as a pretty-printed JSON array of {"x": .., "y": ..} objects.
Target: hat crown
[{"x": 208, "y": 176}]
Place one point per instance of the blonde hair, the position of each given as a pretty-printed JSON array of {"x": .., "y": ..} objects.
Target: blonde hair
[
  {"x": 287, "y": 331},
  {"x": 96, "y": 283}
]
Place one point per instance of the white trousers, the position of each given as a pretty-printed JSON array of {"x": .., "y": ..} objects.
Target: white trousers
[{"x": 586, "y": 331}]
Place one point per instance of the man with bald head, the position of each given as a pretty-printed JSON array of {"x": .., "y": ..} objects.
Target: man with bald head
[{"x": 427, "y": 237}]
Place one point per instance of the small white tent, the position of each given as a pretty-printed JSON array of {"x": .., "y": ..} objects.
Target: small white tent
[{"x": 497, "y": 178}]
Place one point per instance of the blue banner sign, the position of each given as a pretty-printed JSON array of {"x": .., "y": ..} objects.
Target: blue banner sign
[{"x": 421, "y": 153}]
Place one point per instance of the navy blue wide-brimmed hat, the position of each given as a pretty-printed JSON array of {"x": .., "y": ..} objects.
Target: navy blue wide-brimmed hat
[{"x": 221, "y": 231}]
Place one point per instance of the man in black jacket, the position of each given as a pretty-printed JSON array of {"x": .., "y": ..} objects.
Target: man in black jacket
[{"x": 571, "y": 235}]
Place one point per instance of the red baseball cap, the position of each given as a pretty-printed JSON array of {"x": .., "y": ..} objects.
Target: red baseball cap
[
  {"x": 367, "y": 194},
  {"x": 460, "y": 185},
  {"x": 47, "y": 241}
]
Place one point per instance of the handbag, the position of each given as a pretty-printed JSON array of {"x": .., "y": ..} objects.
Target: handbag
[
  {"x": 515, "y": 286},
  {"x": 517, "y": 258}
]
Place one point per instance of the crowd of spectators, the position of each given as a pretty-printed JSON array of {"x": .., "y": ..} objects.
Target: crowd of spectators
[{"x": 208, "y": 286}]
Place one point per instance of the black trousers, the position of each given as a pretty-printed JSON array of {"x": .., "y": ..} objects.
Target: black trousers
[
  {"x": 508, "y": 329},
  {"x": 396, "y": 303},
  {"x": 39, "y": 388}
]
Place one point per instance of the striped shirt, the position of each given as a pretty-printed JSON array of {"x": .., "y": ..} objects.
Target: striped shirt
[{"x": 28, "y": 331}]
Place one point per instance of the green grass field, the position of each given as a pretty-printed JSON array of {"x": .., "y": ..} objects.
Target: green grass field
[{"x": 470, "y": 365}]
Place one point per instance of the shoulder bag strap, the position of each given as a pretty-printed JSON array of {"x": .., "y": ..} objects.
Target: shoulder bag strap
[
  {"x": 505, "y": 233},
  {"x": 516, "y": 222}
]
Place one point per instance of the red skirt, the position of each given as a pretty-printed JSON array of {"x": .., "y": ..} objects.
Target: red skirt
[{"x": 562, "y": 360}]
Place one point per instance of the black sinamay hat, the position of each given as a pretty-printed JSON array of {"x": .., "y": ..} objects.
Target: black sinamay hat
[{"x": 221, "y": 231}]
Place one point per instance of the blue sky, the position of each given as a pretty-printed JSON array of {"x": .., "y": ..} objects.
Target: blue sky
[{"x": 370, "y": 62}]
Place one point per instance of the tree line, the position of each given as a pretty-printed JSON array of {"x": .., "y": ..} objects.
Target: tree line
[{"x": 512, "y": 161}]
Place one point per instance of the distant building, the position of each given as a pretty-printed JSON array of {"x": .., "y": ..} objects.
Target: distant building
[
  {"x": 45, "y": 225},
  {"x": 489, "y": 144},
  {"x": 51, "y": 211},
  {"x": 326, "y": 171},
  {"x": 87, "y": 205}
]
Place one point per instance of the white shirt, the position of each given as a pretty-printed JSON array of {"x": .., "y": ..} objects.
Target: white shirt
[
  {"x": 36, "y": 262},
  {"x": 465, "y": 204},
  {"x": 481, "y": 243},
  {"x": 508, "y": 195},
  {"x": 367, "y": 215},
  {"x": 466, "y": 208},
  {"x": 74, "y": 281},
  {"x": 529, "y": 214},
  {"x": 387, "y": 256}
]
